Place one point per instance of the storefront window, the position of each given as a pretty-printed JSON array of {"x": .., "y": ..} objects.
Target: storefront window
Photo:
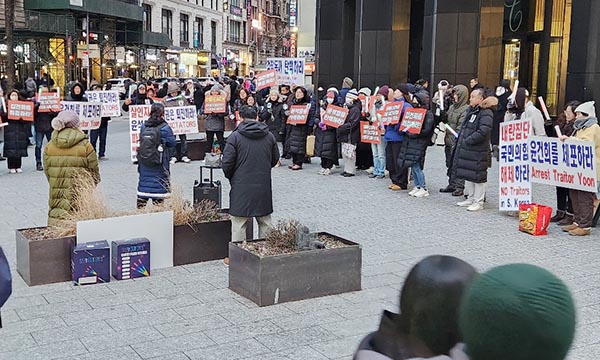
[
  {"x": 558, "y": 17},
  {"x": 512, "y": 53},
  {"x": 538, "y": 14},
  {"x": 535, "y": 70},
  {"x": 553, "y": 77}
]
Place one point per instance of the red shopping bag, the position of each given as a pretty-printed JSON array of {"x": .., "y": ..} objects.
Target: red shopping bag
[{"x": 534, "y": 218}]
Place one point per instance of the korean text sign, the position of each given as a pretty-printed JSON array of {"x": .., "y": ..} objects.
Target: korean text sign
[
  {"x": 22, "y": 110},
  {"x": 289, "y": 70},
  {"x": 48, "y": 102},
  {"x": 89, "y": 113},
  {"x": 334, "y": 116},
  {"x": 570, "y": 164},
  {"x": 392, "y": 112},
  {"x": 298, "y": 114},
  {"x": 514, "y": 175},
  {"x": 109, "y": 101},
  {"x": 215, "y": 104},
  {"x": 137, "y": 115},
  {"x": 412, "y": 122},
  {"x": 182, "y": 119},
  {"x": 266, "y": 79},
  {"x": 369, "y": 133}
]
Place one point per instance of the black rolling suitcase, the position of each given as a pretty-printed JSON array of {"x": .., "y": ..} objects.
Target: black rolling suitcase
[{"x": 207, "y": 188}]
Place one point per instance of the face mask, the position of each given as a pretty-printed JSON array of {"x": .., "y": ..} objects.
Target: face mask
[
  {"x": 329, "y": 100},
  {"x": 500, "y": 91}
]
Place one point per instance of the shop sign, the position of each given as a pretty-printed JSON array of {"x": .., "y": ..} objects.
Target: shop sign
[
  {"x": 235, "y": 10},
  {"x": 173, "y": 57},
  {"x": 293, "y": 13},
  {"x": 289, "y": 70},
  {"x": 188, "y": 58}
]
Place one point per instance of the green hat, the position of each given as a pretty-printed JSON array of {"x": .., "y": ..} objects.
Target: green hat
[{"x": 517, "y": 312}]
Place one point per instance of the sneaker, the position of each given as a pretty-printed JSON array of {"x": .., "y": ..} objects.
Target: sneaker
[
  {"x": 421, "y": 193},
  {"x": 370, "y": 170},
  {"x": 465, "y": 203},
  {"x": 447, "y": 189},
  {"x": 371, "y": 176},
  {"x": 414, "y": 191},
  {"x": 19, "y": 170},
  {"x": 571, "y": 227},
  {"x": 580, "y": 232},
  {"x": 326, "y": 172},
  {"x": 475, "y": 207},
  {"x": 173, "y": 160},
  {"x": 39, "y": 167},
  {"x": 186, "y": 159},
  {"x": 321, "y": 171},
  {"x": 12, "y": 171}
]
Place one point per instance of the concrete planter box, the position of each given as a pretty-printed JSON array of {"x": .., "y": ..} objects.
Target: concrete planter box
[
  {"x": 303, "y": 275},
  {"x": 43, "y": 261}
]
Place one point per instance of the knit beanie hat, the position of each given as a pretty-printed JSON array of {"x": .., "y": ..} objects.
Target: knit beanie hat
[
  {"x": 384, "y": 91},
  {"x": 405, "y": 88},
  {"x": 347, "y": 83},
  {"x": 517, "y": 312},
  {"x": 334, "y": 90},
  {"x": 173, "y": 87},
  {"x": 587, "y": 108},
  {"x": 352, "y": 94},
  {"x": 65, "y": 119},
  {"x": 365, "y": 91}
]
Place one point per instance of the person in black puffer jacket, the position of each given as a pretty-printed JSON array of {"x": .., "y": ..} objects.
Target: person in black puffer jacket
[
  {"x": 43, "y": 129},
  {"x": 296, "y": 144},
  {"x": 349, "y": 133},
  {"x": 16, "y": 136},
  {"x": 326, "y": 144},
  {"x": 414, "y": 148},
  {"x": 472, "y": 152},
  {"x": 273, "y": 114}
]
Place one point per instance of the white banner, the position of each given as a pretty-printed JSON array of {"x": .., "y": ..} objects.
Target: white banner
[
  {"x": 289, "y": 70},
  {"x": 89, "y": 113},
  {"x": 515, "y": 185},
  {"x": 137, "y": 115},
  {"x": 182, "y": 119},
  {"x": 109, "y": 100},
  {"x": 570, "y": 164}
]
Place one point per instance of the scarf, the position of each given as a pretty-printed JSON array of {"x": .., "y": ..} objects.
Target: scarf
[{"x": 584, "y": 123}]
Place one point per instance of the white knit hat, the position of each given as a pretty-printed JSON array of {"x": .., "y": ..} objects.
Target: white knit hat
[
  {"x": 366, "y": 91},
  {"x": 65, "y": 119},
  {"x": 587, "y": 108}
]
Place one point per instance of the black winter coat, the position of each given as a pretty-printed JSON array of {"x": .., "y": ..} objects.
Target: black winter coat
[
  {"x": 43, "y": 120},
  {"x": 249, "y": 155},
  {"x": 16, "y": 137},
  {"x": 275, "y": 118},
  {"x": 472, "y": 149},
  {"x": 414, "y": 146},
  {"x": 138, "y": 100},
  {"x": 326, "y": 144},
  {"x": 499, "y": 113},
  {"x": 349, "y": 132},
  {"x": 296, "y": 140}
]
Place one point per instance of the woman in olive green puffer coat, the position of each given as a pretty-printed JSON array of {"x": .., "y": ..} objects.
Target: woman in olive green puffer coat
[{"x": 68, "y": 154}]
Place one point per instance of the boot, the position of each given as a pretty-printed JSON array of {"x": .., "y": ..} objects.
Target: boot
[
  {"x": 560, "y": 214},
  {"x": 39, "y": 167},
  {"x": 567, "y": 220}
]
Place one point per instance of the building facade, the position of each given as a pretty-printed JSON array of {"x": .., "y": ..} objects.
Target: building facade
[{"x": 550, "y": 46}]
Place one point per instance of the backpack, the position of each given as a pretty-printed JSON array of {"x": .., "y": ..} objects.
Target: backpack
[{"x": 151, "y": 149}]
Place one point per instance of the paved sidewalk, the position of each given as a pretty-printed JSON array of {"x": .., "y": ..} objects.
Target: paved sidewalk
[{"x": 187, "y": 312}]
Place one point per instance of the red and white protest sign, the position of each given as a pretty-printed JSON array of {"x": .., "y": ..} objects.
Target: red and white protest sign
[
  {"x": 369, "y": 133},
  {"x": 391, "y": 113},
  {"x": 89, "y": 113},
  {"x": 20, "y": 110},
  {"x": 412, "y": 122},
  {"x": 298, "y": 114},
  {"x": 108, "y": 99},
  {"x": 182, "y": 119},
  {"x": 49, "y": 101},
  {"x": 514, "y": 171},
  {"x": 266, "y": 79},
  {"x": 137, "y": 115},
  {"x": 215, "y": 104},
  {"x": 334, "y": 116}
]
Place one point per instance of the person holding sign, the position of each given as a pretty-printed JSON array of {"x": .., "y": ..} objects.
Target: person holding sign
[
  {"x": 273, "y": 115},
  {"x": 43, "y": 129},
  {"x": 414, "y": 147},
  {"x": 349, "y": 133},
  {"x": 378, "y": 150},
  {"x": 454, "y": 119},
  {"x": 326, "y": 144},
  {"x": 215, "y": 121},
  {"x": 102, "y": 131},
  {"x": 585, "y": 128},
  {"x": 296, "y": 143},
  {"x": 173, "y": 99},
  {"x": 472, "y": 150},
  {"x": 394, "y": 138},
  {"x": 16, "y": 134}
]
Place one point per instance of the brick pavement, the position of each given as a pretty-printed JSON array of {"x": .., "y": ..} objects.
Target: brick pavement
[{"x": 187, "y": 312}]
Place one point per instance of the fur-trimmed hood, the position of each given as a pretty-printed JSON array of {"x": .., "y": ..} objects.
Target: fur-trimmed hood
[{"x": 490, "y": 102}]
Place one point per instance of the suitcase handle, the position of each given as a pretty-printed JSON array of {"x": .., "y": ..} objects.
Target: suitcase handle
[{"x": 202, "y": 173}]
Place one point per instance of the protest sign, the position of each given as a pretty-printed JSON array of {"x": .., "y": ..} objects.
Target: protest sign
[
  {"x": 89, "y": 113},
  {"x": 412, "y": 122},
  {"x": 289, "y": 70},
  {"x": 182, "y": 119},
  {"x": 570, "y": 164},
  {"x": 137, "y": 115},
  {"x": 391, "y": 113},
  {"x": 369, "y": 133},
  {"x": 20, "y": 110},
  {"x": 514, "y": 175},
  {"x": 298, "y": 114},
  {"x": 108, "y": 99},
  {"x": 48, "y": 102},
  {"x": 334, "y": 116},
  {"x": 215, "y": 104},
  {"x": 266, "y": 79}
]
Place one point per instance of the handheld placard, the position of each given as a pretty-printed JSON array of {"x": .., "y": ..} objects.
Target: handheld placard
[
  {"x": 558, "y": 132},
  {"x": 544, "y": 108}
]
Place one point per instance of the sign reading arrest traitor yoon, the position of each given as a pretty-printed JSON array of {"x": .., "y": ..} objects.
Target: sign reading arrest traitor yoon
[
  {"x": 89, "y": 113},
  {"x": 137, "y": 115},
  {"x": 182, "y": 119},
  {"x": 515, "y": 184},
  {"x": 334, "y": 116}
]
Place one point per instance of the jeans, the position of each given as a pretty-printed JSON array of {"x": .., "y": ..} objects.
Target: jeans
[
  {"x": 39, "y": 142},
  {"x": 32, "y": 138},
  {"x": 184, "y": 152},
  {"x": 379, "y": 157},
  {"x": 418, "y": 176},
  {"x": 101, "y": 133},
  {"x": 239, "y": 224}
]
